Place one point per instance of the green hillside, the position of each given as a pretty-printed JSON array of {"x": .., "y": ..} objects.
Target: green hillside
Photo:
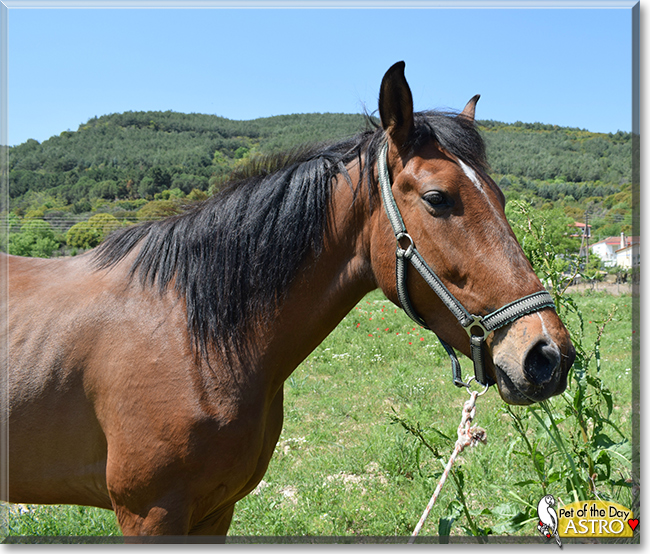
[
  {"x": 570, "y": 170},
  {"x": 138, "y": 154},
  {"x": 139, "y": 165}
]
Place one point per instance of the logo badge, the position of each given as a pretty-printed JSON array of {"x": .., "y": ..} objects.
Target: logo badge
[
  {"x": 584, "y": 518},
  {"x": 548, "y": 520}
]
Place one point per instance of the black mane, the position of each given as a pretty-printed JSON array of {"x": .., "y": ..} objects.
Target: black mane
[{"x": 233, "y": 257}]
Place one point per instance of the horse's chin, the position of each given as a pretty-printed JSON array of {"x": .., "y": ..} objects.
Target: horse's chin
[
  {"x": 516, "y": 390},
  {"x": 508, "y": 391}
]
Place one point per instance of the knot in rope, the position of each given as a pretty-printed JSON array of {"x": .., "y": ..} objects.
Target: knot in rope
[{"x": 469, "y": 436}]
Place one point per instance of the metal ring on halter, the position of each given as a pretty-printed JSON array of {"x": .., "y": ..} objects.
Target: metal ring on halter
[
  {"x": 477, "y": 323},
  {"x": 409, "y": 249},
  {"x": 472, "y": 378}
]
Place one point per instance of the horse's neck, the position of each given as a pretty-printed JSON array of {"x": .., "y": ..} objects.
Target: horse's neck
[{"x": 327, "y": 288}]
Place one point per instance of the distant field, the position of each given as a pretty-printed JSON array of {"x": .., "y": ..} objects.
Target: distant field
[{"x": 343, "y": 467}]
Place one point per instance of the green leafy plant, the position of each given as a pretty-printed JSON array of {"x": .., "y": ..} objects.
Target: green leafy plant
[
  {"x": 576, "y": 441},
  {"x": 36, "y": 239},
  {"x": 571, "y": 443},
  {"x": 458, "y": 507}
]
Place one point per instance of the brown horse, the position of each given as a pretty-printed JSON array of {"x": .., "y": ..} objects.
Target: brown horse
[{"x": 146, "y": 376}]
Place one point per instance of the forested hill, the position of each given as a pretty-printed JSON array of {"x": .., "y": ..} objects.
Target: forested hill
[
  {"x": 552, "y": 153},
  {"x": 117, "y": 163},
  {"x": 138, "y": 154}
]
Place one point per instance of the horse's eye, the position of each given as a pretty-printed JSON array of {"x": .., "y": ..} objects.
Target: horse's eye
[{"x": 435, "y": 198}]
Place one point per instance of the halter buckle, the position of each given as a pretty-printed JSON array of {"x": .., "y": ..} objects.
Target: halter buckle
[{"x": 477, "y": 323}]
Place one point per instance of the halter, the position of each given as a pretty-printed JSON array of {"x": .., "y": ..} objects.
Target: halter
[{"x": 477, "y": 327}]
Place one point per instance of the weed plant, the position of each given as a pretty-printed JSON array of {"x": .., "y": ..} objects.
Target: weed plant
[
  {"x": 578, "y": 445},
  {"x": 576, "y": 449}
]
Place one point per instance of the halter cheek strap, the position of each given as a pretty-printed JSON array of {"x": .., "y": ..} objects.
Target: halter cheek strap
[{"x": 477, "y": 327}]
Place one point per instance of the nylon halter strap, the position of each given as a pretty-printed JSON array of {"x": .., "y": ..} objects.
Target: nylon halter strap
[{"x": 477, "y": 327}]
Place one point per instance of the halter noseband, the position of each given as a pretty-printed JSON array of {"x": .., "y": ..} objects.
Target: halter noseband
[{"x": 477, "y": 327}]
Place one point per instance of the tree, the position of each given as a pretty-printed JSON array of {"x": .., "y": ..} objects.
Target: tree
[
  {"x": 35, "y": 239},
  {"x": 88, "y": 234},
  {"x": 108, "y": 190},
  {"x": 147, "y": 187},
  {"x": 545, "y": 236},
  {"x": 159, "y": 209},
  {"x": 12, "y": 226},
  {"x": 171, "y": 193},
  {"x": 197, "y": 195},
  {"x": 187, "y": 182}
]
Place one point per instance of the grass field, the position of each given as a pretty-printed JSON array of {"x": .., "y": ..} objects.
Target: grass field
[{"x": 345, "y": 466}]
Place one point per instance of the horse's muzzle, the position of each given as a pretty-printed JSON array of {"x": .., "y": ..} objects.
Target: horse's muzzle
[
  {"x": 542, "y": 362},
  {"x": 533, "y": 373}
]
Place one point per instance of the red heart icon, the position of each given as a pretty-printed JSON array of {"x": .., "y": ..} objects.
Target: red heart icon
[{"x": 633, "y": 523}]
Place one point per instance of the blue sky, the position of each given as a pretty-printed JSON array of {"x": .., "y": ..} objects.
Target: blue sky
[{"x": 570, "y": 67}]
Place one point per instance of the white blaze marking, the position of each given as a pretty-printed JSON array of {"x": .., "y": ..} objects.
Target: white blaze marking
[
  {"x": 472, "y": 176},
  {"x": 544, "y": 330}
]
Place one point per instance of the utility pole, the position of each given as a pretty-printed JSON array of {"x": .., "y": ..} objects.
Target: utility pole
[
  {"x": 584, "y": 242},
  {"x": 587, "y": 234}
]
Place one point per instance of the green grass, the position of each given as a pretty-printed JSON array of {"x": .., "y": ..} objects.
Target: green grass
[
  {"x": 33, "y": 520},
  {"x": 343, "y": 466}
]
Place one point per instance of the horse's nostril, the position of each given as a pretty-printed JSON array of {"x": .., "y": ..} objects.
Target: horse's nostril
[{"x": 541, "y": 362}]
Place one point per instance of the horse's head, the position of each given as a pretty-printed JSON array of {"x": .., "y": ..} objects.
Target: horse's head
[{"x": 454, "y": 215}]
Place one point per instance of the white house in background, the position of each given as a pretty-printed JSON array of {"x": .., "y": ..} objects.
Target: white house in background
[
  {"x": 580, "y": 230},
  {"x": 606, "y": 250},
  {"x": 629, "y": 256},
  {"x": 617, "y": 251}
]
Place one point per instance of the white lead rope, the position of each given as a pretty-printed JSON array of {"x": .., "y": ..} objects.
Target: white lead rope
[{"x": 467, "y": 436}]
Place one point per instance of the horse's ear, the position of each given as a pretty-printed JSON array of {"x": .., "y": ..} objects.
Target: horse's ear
[
  {"x": 470, "y": 109},
  {"x": 396, "y": 105}
]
